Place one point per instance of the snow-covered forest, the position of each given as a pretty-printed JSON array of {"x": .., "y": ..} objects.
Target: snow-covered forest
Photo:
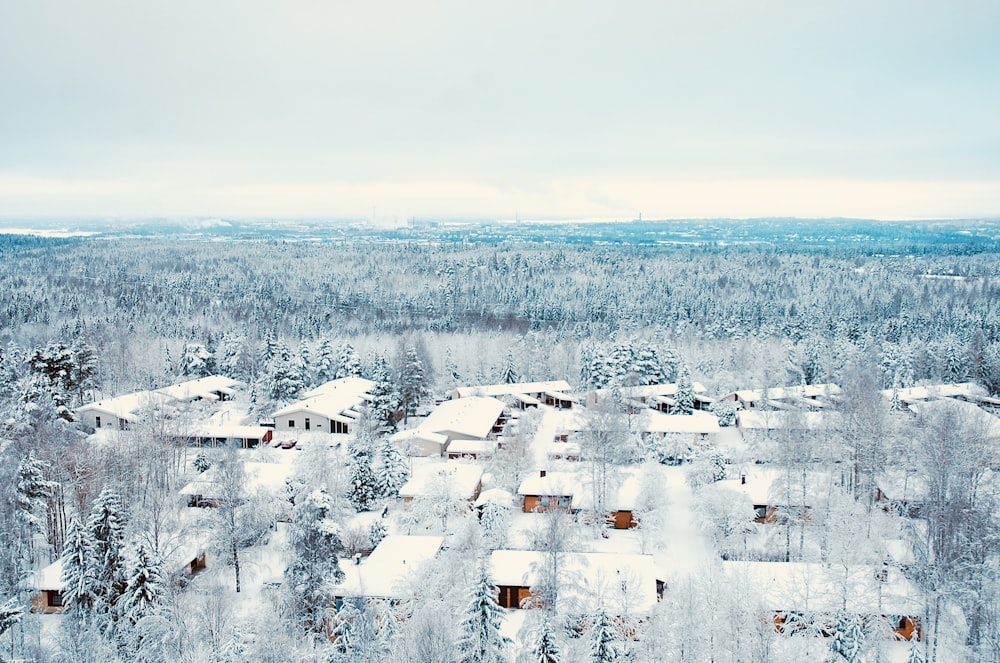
[{"x": 853, "y": 522}]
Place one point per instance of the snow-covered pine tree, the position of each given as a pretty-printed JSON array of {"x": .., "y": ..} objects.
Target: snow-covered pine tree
[
  {"x": 376, "y": 533},
  {"x": 848, "y": 638},
  {"x": 10, "y": 614},
  {"x": 480, "y": 639},
  {"x": 385, "y": 395},
  {"x": 282, "y": 379},
  {"x": 604, "y": 644},
  {"x": 315, "y": 546},
  {"x": 106, "y": 530},
  {"x": 684, "y": 398},
  {"x": 78, "y": 570},
  {"x": 326, "y": 362},
  {"x": 31, "y": 494},
  {"x": 545, "y": 649},
  {"x": 196, "y": 361},
  {"x": 509, "y": 374},
  {"x": 394, "y": 469},
  {"x": 495, "y": 521},
  {"x": 348, "y": 363},
  {"x": 144, "y": 591},
  {"x": 412, "y": 382},
  {"x": 363, "y": 490},
  {"x": 200, "y": 463}
]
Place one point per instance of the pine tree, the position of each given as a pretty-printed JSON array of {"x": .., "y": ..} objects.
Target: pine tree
[
  {"x": 394, "y": 470},
  {"x": 283, "y": 379},
  {"x": 32, "y": 492},
  {"x": 348, "y": 363},
  {"x": 144, "y": 590},
  {"x": 605, "y": 643},
  {"x": 315, "y": 546},
  {"x": 412, "y": 382},
  {"x": 197, "y": 361},
  {"x": 481, "y": 640},
  {"x": 376, "y": 533},
  {"x": 10, "y": 614},
  {"x": 495, "y": 521},
  {"x": 545, "y": 648},
  {"x": 684, "y": 398},
  {"x": 385, "y": 396},
  {"x": 848, "y": 637},
  {"x": 106, "y": 529},
  {"x": 363, "y": 490},
  {"x": 78, "y": 570},
  {"x": 509, "y": 374},
  {"x": 326, "y": 362}
]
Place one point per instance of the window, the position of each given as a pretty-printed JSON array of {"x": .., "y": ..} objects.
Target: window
[
  {"x": 291, "y": 423},
  {"x": 307, "y": 423},
  {"x": 55, "y": 599},
  {"x": 98, "y": 422}
]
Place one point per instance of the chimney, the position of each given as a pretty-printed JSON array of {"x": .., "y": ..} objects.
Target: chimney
[
  {"x": 357, "y": 559},
  {"x": 541, "y": 473},
  {"x": 743, "y": 479}
]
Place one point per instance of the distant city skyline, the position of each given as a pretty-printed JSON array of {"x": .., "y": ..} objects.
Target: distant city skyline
[{"x": 555, "y": 110}]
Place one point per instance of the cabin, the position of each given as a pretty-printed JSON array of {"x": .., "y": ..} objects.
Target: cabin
[
  {"x": 432, "y": 479},
  {"x": 698, "y": 425},
  {"x": 962, "y": 391},
  {"x": 625, "y": 584},
  {"x": 332, "y": 407},
  {"x": 245, "y": 437},
  {"x": 802, "y": 397},
  {"x": 549, "y": 491},
  {"x": 384, "y": 574},
  {"x": 474, "y": 418},
  {"x": 799, "y": 595}
]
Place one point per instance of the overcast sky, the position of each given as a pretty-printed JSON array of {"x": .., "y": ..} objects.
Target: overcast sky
[{"x": 545, "y": 109}]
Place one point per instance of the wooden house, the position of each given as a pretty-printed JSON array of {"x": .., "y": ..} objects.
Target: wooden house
[
  {"x": 773, "y": 494},
  {"x": 549, "y": 491},
  {"x": 807, "y": 596},
  {"x": 622, "y": 502},
  {"x": 384, "y": 574},
  {"x": 625, "y": 584}
]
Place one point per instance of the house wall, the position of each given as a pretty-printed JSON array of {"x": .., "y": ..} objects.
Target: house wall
[
  {"x": 47, "y": 601},
  {"x": 108, "y": 419},
  {"x": 317, "y": 422},
  {"x": 514, "y": 596},
  {"x": 546, "y": 503}
]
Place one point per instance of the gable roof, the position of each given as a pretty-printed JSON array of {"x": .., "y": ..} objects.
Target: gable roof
[
  {"x": 517, "y": 388},
  {"x": 470, "y": 417},
  {"x": 200, "y": 388},
  {"x": 461, "y": 478},
  {"x": 557, "y": 484},
  {"x": 384, "y": 573},
  {"x": 337, "y": 399}
]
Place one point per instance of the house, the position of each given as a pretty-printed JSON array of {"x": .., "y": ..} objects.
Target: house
[
  {"x": 434, "y": 479},
  {"x": 963, "y": 391},
  {"x": 522, "y": 394},
  {"x": 121, "y": 412},
  {"x": 212, "y": 388},
  {"x": 385, "y": 572},
  {"x": 474, "y": 418},
  {"x": 699, "y": 425},
  {"x": 900, "y": 491},
  {"x": 621, "y": 502},
  {"x": 773, "y": 493},
  {"x": 548, "y": 491},
  {"x": 625, "y": 584},
  {"x": 332, "y": 407},
  {"x": 473, "y": 449},
  {"x": 653, "y": 396},
  {"x": 207, "y": 489},
  {"x": 220, "y": 435},
  {"x": 803, "y": 397},
  {"x": 800, "y": 595},
  {"x": 761, "y": 424}
]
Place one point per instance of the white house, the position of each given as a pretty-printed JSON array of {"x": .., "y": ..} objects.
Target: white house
[
  {"x": 805, "y": 397},
  {"x": 333, "y": 407},
  {"x": 477, "y": 418},
  {"x": 526, "y": 394}
]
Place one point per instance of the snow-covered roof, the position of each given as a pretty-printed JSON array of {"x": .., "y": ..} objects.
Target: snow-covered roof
[
  {"x": 48, "y": 579},
  {"x": 807, "y": 587},
  {"x": 774, "y": 419},
  {"x": 200, "y": 388},
  {"x": 559, "y": 484},
  {"x": 764, "y": 485},
  {"x": 384, "y": 572},
  {"x": 933, "y": 391},
  {"x": 972, "y": 414},
  {"x": 785, "y": 393},
  {"x": 418, "y": 435},
  {"x": 511, "y": 389},
  {"x": 462, "y": 479},
  {"x": 653, "y": 421},
  {"x": 230, "y": 431},
  {"x": 259, "y": 476},
  {"x": 334, "y": 399},
  {"x": 622, "y": 583},
  {"x": 495, "y": 496},
  {"x": 623, "y": 494},
  {"x": 468, "y": 417},
  {"x": 127, "y": 405},
  {"x": 650, "y": 391},
  {"x": 899, "y": 485}
]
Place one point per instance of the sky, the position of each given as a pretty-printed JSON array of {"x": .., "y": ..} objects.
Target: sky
[{"x": 390, "y": 110}]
